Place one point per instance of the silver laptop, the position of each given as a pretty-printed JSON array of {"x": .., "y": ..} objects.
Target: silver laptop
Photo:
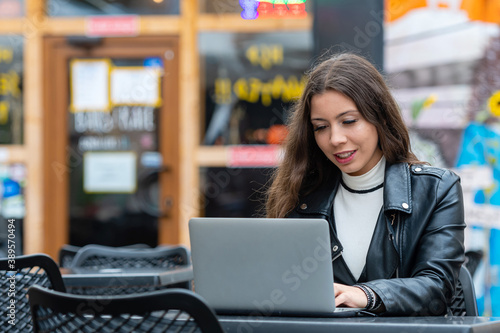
[{"x": 263, "y": 266}]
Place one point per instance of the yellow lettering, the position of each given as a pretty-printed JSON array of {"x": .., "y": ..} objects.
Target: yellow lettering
[
  {"x": 277, "y": 88},
  {"x": 14, "y": 84},
  {"x": 255, "y": 89},
  {"x": 4, "y": 112},
  {"x": 6, "y": 55},
  {"x": 9, "y": 84},
  {"x": 4, "y": 87},
  {"x": 278, "y": 54},
  {"x": 252, "y": 54},
  {"x": 241, "y": 89},
  {"x": 222, "y": 91},
  {"x": 265, "y": 55},
  {"x": 267, "y": 89},
  {"x": 290, "y": 89}
]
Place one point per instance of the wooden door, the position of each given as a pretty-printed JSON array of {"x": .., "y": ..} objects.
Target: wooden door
[{"x": 110, "y": 173}]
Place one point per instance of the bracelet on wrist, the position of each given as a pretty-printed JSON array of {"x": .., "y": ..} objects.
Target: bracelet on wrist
[
  {"x": 378, "y": 303},
  {"x": 369, "y": 296}
]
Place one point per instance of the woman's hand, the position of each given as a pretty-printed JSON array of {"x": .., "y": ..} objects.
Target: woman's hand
[{"x": 348, "y": 296}]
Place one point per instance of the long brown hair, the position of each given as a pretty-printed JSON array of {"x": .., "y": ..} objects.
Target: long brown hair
[{"x": 304, "y": 165}]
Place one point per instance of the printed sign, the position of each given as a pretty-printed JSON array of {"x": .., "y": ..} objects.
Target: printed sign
[
  {"x": 116, "y": 26},
  {"x": 109, "y": 172},
  {"x": 90, "y": 85},
  {"x": 254, "y": 156}
]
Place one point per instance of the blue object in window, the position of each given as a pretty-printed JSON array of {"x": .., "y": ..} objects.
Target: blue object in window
[
  {"x": 11, "y": 188},
  {"x": 153, "y": 62}
]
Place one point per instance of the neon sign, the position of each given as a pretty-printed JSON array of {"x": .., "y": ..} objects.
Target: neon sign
[{"x": 273, "y": 9}]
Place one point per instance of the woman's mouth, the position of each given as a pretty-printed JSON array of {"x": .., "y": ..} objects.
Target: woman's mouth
[{"x": 345, "y": 157}]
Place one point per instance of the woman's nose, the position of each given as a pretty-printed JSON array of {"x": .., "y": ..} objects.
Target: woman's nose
[{"x": 337, "y": 137}]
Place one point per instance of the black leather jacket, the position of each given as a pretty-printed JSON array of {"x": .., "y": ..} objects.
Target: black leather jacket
[{"x": 417, "y": 248}]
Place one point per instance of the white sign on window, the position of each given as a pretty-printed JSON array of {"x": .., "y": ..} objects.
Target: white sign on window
[
  {"x": 135, "y": 86},
  {"x": 109, "y": 172},
  {"x": 90, "y": 85}
]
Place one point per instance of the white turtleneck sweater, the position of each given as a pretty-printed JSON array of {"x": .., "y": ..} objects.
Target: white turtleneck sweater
[{"x": 356, "y": 214}]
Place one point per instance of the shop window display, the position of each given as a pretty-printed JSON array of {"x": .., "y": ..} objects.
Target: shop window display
[
  {"x": 249, "y": 82},
  {"x": 112, "y": 7},
  {"x": 233, "y": 192},
  {"x": 12, "y": 207},
  {"x": 267, "y": 9},
  {"x": 11, "y": 89}
]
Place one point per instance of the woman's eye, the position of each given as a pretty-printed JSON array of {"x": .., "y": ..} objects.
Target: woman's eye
[
  {"x": 319, "y": 128},
  {"x": 347, "y": 122}
]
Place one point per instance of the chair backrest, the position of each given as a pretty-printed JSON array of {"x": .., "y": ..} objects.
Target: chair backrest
[
  {"x": 464, "y": 301},
  {"x": 172, "y": 310},
  {"x": 68, "y": 252},
  {"x": 97, "y": 257},
  {"x": 472, "y": 260},
  {"x": 16, "y": 276}
]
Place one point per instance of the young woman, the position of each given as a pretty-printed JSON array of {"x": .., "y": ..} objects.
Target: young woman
[{"x": 397, "y": 224}]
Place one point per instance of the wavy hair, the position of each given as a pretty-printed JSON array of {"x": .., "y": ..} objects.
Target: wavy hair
[{"x": 304, "y": 165}]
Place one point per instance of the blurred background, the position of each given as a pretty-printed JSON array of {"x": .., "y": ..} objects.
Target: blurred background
[{"x": 121, "y": 119}]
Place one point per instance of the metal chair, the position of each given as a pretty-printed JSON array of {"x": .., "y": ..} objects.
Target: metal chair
[
  {"x": 25, "y": 271},
  {"x": 472, "y": 260},
  {"x": 97, "y": 258},
  {"x": 173, "y": 310},
  {"x": 464, "y": 301},
  {"x": 68, "y": 252}
]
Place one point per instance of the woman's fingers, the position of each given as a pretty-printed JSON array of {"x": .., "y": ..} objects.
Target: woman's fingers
[{"x": 349, "y": 296}]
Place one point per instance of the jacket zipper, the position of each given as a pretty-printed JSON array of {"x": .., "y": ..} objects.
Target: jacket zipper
[
  {"x": 396, "y": 239},
  {"x": 338, "y": 255}
]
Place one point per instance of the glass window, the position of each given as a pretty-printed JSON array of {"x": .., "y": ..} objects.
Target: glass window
[
  {"x": 112, "y": 7},
  {"x": 124, "y": 211},
  {"x": 233, "y": 192},
  {"x": 275, "y": 8},
  {"x": 248, "y": 83},
  {"x": 11, "y": 89},
  {"x": 12, "y": 207},
  {"x": 11, "y": 8}
]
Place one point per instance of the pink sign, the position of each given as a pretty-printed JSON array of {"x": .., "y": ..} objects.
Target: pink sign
[
  {"x": 100, "y": 26},
  {"x": 10, "y": 8},
  {"x": 254, "y": 156}
]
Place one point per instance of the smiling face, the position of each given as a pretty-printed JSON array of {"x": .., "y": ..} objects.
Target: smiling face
[{"x": 343, "y": 134}]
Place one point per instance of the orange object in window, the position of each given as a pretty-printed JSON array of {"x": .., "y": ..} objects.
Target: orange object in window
[
  {"x": 280, "y": 10},
  {"x": 298, "y": 10},
  {"x": 265, "y": 9},
  {"x": 396, "y": 9},
  {"x": 485, "y": 10},
  {"x": 276, "y": 134}
]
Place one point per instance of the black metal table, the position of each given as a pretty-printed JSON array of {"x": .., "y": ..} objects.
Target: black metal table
[
  {"x": 242, "y": 324},
  {"x": 124, "y": 281}
]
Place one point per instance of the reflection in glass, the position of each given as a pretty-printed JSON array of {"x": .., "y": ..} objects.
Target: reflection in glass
[
  {"x": 12, "y": 207},
  {"x": 112, "y": 7},
  {"x": 250, "y": 82},
  {"x": 11, "y": 89},
  {"x": 108, "y": 213},
  {"x": 234, "y": 7},
  {"x": 233, "y": 192}
]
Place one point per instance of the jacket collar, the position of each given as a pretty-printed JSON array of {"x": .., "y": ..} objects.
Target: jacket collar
[
  {"x": 320, "y": 200},
  {"x": 397, "y": 192},
  {"x": 397, "y": 188}
]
